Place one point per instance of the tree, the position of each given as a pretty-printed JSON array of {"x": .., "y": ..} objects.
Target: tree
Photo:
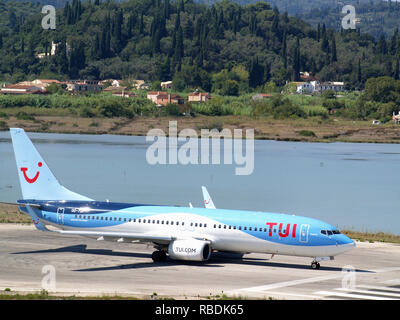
[
  {"x": 230, "y": 88},
  {"x": 333, "y": 45},
  {"x": 296, "y": 61},
  {"x": 256, "y": 74}
]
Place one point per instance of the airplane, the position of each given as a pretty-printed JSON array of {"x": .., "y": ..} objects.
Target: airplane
[{"x": 180, "y": 233}]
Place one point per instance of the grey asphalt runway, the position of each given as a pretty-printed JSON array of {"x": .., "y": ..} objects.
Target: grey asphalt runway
[{"x": 82, "y": 266}]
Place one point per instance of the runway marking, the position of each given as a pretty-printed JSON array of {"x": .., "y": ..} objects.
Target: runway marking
[
  {"x": 308, "y": 280},
  {"x": 392, "y": 282},
  {"x": 291, "y": 283},
  {"x": 351, "y": 295},
  {"x": 378, "y": 293},
  {"x": 379, "y": 288}
]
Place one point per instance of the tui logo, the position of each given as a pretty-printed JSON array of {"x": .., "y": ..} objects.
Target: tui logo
[{"x": 31, "y": 180}]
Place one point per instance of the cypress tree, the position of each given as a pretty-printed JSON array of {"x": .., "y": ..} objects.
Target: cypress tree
[
  {"x": 284, "y": 49},
  {"x": 396, "y": 72},
  {"x": 334, "y": 56},
  {"x": 296, "y": 61}
]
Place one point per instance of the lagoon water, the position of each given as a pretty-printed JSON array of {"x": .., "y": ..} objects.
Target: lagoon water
[{"x": 353, "y": 186}]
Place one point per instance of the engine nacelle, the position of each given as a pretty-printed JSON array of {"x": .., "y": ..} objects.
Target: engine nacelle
[{"x": 191, "y": 250}]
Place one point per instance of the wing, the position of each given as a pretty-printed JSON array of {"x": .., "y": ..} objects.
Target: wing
[{"x": 118, "y": 236}]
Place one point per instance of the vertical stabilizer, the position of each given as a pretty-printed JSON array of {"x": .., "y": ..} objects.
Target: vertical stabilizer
[{"x": 35, "y": 177}]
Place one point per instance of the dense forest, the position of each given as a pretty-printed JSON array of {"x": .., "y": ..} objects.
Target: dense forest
[{"x": 225, "y": 46}]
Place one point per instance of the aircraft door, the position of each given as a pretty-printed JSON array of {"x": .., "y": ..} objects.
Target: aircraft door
[
  {"x": 60, "y": 215},
  {"x": 304, "y": 233}
]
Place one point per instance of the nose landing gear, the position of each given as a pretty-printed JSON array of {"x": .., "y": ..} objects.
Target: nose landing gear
[{"x": 315, "y": 265}]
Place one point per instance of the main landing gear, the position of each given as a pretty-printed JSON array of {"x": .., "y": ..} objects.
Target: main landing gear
[
  {"x": 315, "y": 265},
  {"x": 159, "y": 256}
]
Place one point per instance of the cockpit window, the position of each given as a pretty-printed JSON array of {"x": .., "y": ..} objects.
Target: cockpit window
[{"x": 330, "y": 232}]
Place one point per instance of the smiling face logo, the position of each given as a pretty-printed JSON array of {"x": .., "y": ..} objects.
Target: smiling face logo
[{"x": 29, "y": 180}]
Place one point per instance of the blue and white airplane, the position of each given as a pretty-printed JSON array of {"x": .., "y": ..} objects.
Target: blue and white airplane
[{"x": 182, "y": 233}]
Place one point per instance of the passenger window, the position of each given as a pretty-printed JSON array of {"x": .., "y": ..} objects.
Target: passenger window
[
  {"x": 124, "y": 219},
  {"x": 102, "y": 218},
  {"x": 172, "y": 223},
  {"x": 158, "y": 221},
  {"x": 240, "y": 227},
  {"x": 139, "y": 220},
  {"x": 250, "y": 229},
  {"x": 134, "y": 220},
  {"x": 183, "y": 223},
  {"x": 215, "y": 226},
  {"x": 229, "y": 227},
  {"x": 205, "y": 225},
  {"x": 245, "y": 228},
  {"x": 119, "y": 219},
  {"x": 225, "y": 226},
  {"x": 219, "y": 226},
  {"x": 200, "y": 225},
  {"x": 162, "y": 221},
  {"x": 166, "y": 222},
  {"x": 130, "y": 220},
  {"x": 255, "y": 229},
  {"x": 195, "y": 224},
  {"x": 154, "y": 221},
  {"x": 97, "y": 218}
]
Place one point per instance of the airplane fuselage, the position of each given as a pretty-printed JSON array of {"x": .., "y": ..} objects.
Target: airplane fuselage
[{"x": 227, "y": 230}]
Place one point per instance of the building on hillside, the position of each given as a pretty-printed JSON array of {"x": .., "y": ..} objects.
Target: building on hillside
[
  {"x": 304, "y": 87},
  {"x": 53, "y": 50},
  {"x": 113, "y": 89},
  {"x": 113, "y": 83},
  {"x": 307, "y": 77},
  {"x": 199, "y": 96},
  {"x": 166, "y": 85},
  {"x": 164, "y": 99},
  {"x": 21, "y": 89},
  {"x": 152, "y": 95},
  {"x": 84, "y": 85},
  {"x": 140, "y": 85},
  {"x": 396, "y": 118},
  {"x": 260, "y": 96},
  {"x": 42, "y": 83},
  {"x": 328, "y": 85},
  {"x": 125, "y": 94}
]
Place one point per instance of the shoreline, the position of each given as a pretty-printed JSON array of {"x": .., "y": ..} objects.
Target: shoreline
[{"x": 295, "y": 130}]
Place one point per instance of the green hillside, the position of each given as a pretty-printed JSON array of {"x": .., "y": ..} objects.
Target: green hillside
[{"x": 224, "y": 48}]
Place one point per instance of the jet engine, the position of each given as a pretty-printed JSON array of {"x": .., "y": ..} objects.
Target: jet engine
[{"x": 190, "y": 250}]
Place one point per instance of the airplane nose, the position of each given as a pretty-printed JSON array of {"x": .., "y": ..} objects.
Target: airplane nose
[{"x": 345, "y": 242}]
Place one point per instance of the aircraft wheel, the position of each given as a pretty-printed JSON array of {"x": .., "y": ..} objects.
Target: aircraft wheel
[{"x": 315, "y": 265}]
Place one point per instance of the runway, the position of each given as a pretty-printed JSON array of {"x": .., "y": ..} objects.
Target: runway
[{"x": 84, "y": 266}]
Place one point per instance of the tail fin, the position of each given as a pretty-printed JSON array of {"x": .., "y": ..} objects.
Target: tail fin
[
  {"x": 208, "y": 203},
  {"x": 36, "y": 179}
]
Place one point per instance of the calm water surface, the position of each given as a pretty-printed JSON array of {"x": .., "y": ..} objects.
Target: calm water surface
[{"x": 348, "y": 185}]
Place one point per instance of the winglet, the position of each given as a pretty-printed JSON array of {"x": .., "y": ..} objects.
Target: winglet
[
  {"x": 208, "y": 203},
  {"x": 35, "y": 219}
]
